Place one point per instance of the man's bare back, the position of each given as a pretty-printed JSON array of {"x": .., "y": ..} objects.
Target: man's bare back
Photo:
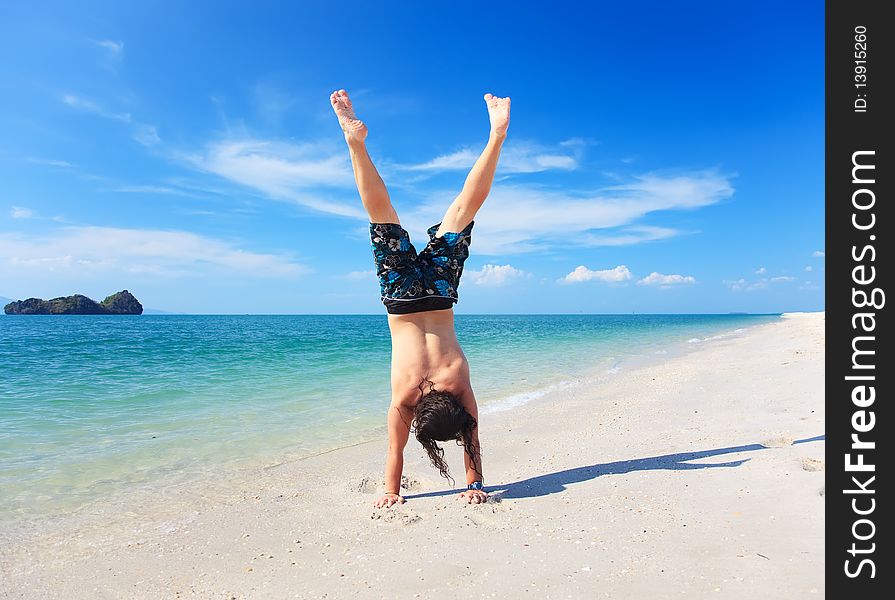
[{"x": 425, "y": 347}]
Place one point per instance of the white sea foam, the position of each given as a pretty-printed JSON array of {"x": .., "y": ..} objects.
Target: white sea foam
[
  {"x": 516, "y": 400},
  {"x": 719, "y": 336}
]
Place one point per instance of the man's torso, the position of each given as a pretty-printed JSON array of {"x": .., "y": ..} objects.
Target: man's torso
[{"x": 425, "y": 346}]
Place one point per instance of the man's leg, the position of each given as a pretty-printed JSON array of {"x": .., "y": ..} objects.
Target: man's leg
[
  {"x": 463, "y": 209},
  {"x": 372, "y": 190}
]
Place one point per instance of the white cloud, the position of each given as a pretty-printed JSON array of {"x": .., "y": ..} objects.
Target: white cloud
[
  {"x": 461, "y": 159},
  {"x": 515, "y": 218},
  {"x": 112, "y": 55},
  {"x": 94, "y": 108},
  {"x": 112, "y": 46},
  {"x": 20, "y": 212},
  {"x": 495, "y": 275},
  {"x": 818, "y": 254},
  {"x": 283, "y": 171},
  {"x": 582, "y": 273},
  {"x": 627, "y": 236},
  {"x": 516, "y": 157},
  {"x": 522, "y": 218},
  {"x": 143, "y": 133},
  {"x": 272, "y": 102},
  {"x": 742, "y": 285},
  {"x": 158, "y": 252},
  {"x": 64, "y": 164},
  {"x": 659, "y": 279},
  {"x": 809, "y": 268},
  {"x": 148, "y": 189},
  {"x": 760, "y": 271},
  {"x": 360, "y": 275},
  {"x": 146, "y": 134}
]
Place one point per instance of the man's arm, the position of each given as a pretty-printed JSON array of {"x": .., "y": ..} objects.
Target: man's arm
[
  {"x": 477, "y": 473},
  {"x": 471, "y": 473},
  {"x": 398, "y": 433}
]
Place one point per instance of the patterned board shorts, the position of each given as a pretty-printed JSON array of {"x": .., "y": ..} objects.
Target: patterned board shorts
[{"x": 412, "y": 282}]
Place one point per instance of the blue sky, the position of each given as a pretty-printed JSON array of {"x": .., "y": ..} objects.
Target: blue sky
[{"x": 662, "y": 157}]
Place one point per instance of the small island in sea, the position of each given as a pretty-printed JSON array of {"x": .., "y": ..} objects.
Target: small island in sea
[{"x": 122, "y": 303}]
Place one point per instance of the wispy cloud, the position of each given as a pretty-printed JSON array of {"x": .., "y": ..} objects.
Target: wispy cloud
[
  {"x": 496, "y": 275},
  {"x": 516, "y": 157},
  {"x": 628, "y": 235},
  {"x": 581, "y": 274},
  {"x": 149, "y": 251},
  {"x": 461, "y": 159},
  {"x": 143, "y": 133},
  {"x": 742, "y": 285},
  {"x": 145, "y": 189},
  {"x": 20, "y": 212},
  {"x": 818, "y": 254},
  {"x": 292, "y": 172},
  {"x": 760, "y": 271},
  {"x": 524, "y": 218},
  {"x": 62, "y": 164},
  {"x": 112, "y": 46},
  {"x": 90, "y": 106},
  {"x": 661, "y": 280},
  {"x": 146, "y": 134},
  {"x": 113, "y": 52},
  {"x": 359, "y": 275},
  {"x": 809, "y": 268},
  {"x": 272, "y": 102}
]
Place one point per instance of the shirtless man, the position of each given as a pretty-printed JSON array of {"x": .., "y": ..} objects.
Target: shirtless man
[{"x": 430, "y": 375}]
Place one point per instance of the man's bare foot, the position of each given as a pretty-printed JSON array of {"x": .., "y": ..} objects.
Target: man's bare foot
[
  {"x": 499, "y": 113},
  {"x": 354, "y": 128}
]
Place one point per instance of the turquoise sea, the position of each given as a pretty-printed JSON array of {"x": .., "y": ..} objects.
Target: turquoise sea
[{"x": 90, "y": 405}]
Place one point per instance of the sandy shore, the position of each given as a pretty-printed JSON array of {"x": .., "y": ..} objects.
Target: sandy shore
[{"x": 699, "y": 477}]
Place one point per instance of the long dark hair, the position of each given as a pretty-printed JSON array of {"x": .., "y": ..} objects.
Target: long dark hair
[{"x": 439, "y": 416}]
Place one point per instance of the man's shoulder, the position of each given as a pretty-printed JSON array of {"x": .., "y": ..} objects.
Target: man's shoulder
[{"x": 406, "y": 399}]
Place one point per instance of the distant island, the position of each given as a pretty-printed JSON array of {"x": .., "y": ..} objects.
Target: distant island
[{"x": 122, "y": 303}]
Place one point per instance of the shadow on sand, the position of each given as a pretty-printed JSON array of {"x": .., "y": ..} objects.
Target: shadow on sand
[{"x": 552, "y": 483}]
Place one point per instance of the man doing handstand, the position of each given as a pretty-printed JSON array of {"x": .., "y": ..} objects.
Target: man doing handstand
[{"x": 429, "y": 372}]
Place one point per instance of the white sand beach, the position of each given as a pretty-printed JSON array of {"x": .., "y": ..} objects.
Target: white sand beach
[{"x": 700, "y": 476}]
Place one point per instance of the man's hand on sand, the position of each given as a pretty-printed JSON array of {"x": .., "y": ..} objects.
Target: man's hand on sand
[
  {"x": 387, "y": 500},
  {"x": 474, "y": 496}
]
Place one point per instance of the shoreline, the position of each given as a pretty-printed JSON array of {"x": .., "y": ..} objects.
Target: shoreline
[
  {"x": 598, "y": 373},
  {"x": 214, "y": 547}
]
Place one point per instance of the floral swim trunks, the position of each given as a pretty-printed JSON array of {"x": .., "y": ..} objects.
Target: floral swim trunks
[{"x": 412, "y": 282}]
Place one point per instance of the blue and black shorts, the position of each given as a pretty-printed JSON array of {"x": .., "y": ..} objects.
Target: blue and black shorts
[{"x": 412, "y": 282}]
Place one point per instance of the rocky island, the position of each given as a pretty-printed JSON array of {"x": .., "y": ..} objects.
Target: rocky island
[{"x": 122, "y": 303}]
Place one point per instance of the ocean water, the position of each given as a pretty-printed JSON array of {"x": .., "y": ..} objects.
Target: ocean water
[{"x": 92, "y": 404}]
